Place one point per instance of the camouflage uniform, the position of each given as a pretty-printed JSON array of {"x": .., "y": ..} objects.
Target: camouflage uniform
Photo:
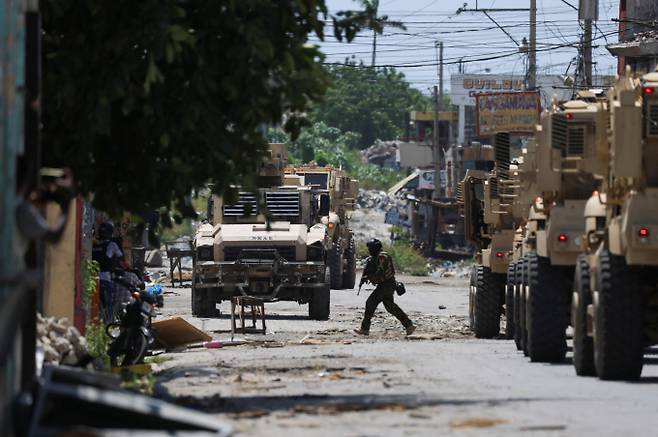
[{"x": 382, "y": 274}]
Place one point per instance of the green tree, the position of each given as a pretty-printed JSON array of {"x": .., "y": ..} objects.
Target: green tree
[
  {"x": 147, "y": 100},
  {"x": 327, "y": 145},
  {"x": 371, "y": 102}
]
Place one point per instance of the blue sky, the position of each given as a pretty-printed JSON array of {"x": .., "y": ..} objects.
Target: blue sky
[{"x": 471, "y": 36}]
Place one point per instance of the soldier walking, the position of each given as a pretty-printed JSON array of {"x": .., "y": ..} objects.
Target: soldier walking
[{"x": 380, "y": 272}]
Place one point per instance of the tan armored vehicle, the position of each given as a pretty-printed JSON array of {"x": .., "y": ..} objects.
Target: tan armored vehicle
[
  {"x": 269, "y": 244},
  {"x": 340, "y": 244},
  {"x": 489, "y": 226},
  {"x": 569, "y": 141},
  {"x": 615, "y": 299}
]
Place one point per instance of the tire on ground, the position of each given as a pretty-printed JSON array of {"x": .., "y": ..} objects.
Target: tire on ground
[
  {"x": 518, "y": 325},
  {"x": 523, "y": 308},
  {"x": 335, "y": 262},
  {"x": 546, "y": 311},
  {"x": 487, "y": 304},
  {"x": 204, "y": 303},
  {"x": 319, "y": 306},
  {"x": 583, "y": 345},
  {"x": 349, "y": 275},
  {"x": 509, "y": 301},
  {"x": 618, "y": 321},
  {"x": 471, "y": 288}
]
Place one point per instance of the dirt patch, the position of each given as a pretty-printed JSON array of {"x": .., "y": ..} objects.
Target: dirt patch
[{"x": 476, "y": 422}]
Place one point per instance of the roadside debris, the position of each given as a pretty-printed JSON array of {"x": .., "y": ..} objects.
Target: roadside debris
[
  {"x": 61, "y": 342},
  {"x": 451, "y": 269},
  {"x": 176, "y": 332},
  {"x": 380, "y": 200},
  {"x": 153, "y": 258},
  {"x": 382, "y": 153},
  {"x": 476, "y": 422}
]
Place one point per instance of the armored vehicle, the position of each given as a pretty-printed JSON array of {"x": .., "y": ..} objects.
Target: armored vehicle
[
  {"x": 341, "y": 191},
  {"x": 569, "y": 141},
  {"x": 615, "y": 298},
  {"x": 489, "y": 226},
  {"x": 269, "y": 244}
]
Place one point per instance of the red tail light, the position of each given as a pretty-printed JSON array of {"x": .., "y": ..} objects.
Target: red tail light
[
  {"x": 568, "y": 116},
  {"x": 499, "y": 254},
  {"x": 648, "y": 90},
  {"x": 643, "y": 232},
  {"x": 562, "y": 238}
]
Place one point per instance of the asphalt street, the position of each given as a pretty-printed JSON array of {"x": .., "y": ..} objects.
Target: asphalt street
[{"x": 314, "y": 378}]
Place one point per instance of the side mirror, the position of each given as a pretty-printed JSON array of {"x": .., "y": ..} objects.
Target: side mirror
[{"x": 324, "y": 205}]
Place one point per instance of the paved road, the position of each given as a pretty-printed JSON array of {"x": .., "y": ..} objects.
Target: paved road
[{"x": 314, "y": 378}]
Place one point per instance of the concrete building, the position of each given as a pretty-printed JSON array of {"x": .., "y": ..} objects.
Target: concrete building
[{"x": 638, "y": 36}]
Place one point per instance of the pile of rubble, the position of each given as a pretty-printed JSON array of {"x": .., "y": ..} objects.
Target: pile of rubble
[
  {"x": 382, "y": 153},
  {"x": 450, "y": 269},
  {"x": 61, "y": 342},
  {"x": 371, "y": 199}
]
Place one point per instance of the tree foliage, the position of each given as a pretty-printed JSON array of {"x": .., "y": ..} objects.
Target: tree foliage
[
  {"x": 147, "y": 100},
  {"x": 329, "y": 145},
  {"x": 370, "y": 102}
]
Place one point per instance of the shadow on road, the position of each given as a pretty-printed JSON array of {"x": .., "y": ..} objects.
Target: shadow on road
[
  {"x": 327, "y": 404},
  {"x": 268, "y": 316}
]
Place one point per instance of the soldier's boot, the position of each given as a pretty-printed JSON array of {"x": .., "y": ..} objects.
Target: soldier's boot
[
  {"x": 411, "y": 329},
  {"x": 361, "y": 331}
]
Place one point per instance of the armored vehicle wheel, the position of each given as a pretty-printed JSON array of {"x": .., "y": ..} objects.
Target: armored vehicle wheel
[
  {"x": 518, "y": 284},
  {"x": 319, "y": 306},
  {"x": 349, "y": 275},
  {"x": 546, "y": 311},
  {"x": 583, "y": 345},
  {"x": 618, "y": 321},
  {"x": 335, "y": 262},
  {"x": 203, "y": 303},
  {"x": 509, "y": 301},
  {"x": 471, "y": 288},
  {"x": 523, "y": 310},
  {"x": 487, "y": 304}
]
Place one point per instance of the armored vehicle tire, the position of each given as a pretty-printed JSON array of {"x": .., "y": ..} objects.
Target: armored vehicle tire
[
  {"x": 583, "y": 345},
  {"x": 203, "y": 303},
  {"x": 471, "y": 288},
  {"x": 518, "y": 283},
  {"x": 546, "y": 311},
  {"x": 487, "y": 303},
  {"x": 349, "y": 275},
  {"x": 509, "y": 301},
  {"x": 618, "y": 321},
  {"x": 523, "y": 307},
  {"x": 335, "y": 263},
  {"x": 319, "y": 306}
]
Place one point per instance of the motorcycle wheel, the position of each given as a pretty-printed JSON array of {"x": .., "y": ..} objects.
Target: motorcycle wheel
[{"x": 136, "y": 349}]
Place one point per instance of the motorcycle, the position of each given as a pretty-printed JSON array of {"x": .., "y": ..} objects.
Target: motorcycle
[{"x": 132, "y": 334}]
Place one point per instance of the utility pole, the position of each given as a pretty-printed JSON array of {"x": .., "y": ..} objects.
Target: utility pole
[
  {"x": 432, "y": 209},
  {"x": 438, "y": 107},
  {"x": 587, "y": 53},
  {"x": 532, "y": 52},
  {"x": 437, "y": 157},
  {"x": 531, "y": 74}
]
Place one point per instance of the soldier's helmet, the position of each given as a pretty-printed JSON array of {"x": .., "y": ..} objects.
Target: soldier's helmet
[{"x": 374, "y": 246}]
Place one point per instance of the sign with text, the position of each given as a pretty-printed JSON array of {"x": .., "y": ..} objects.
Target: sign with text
[{"x": 507, "y": 112}]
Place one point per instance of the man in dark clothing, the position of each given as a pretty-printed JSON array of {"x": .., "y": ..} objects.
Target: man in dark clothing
[
  {"x": 107, "y": 253},
  {"x": 381, "y": 273}
]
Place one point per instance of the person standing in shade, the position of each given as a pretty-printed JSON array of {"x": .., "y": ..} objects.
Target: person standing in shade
[
  {"x": 107, "y": 253},
  {"x": 380, "y": 272}
]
